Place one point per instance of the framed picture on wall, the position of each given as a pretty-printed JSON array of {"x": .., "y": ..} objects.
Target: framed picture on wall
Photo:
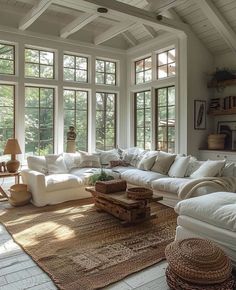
[{"x": 199, "y": 115}]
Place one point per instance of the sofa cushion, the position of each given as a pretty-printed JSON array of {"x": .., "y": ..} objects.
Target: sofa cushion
[
  {"x": 61, "y": 181},
  {"x": 72, "y": 160},
  {"x": 218, "y": 209},
  {"x": 163, "y": 162},
  {"x": 179, "y": 167},
  {"x": 89, "y": 160},
  {"x": 37, "y": 163},
  {"x": 193, "y": 165},
  {"x": 168, "y": 184},
  {"x": 55, "y": 164},
  {"x": 147, "y": 160},
  {"x": 140, "y": 177},
  {"x": 209, "y": 168}
]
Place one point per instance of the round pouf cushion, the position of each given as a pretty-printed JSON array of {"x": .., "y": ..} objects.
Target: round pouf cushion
[
  {"x": 19, "y": 195},
  {"x": 198, "y": 261},
  {"x": 175, "y": 282}
]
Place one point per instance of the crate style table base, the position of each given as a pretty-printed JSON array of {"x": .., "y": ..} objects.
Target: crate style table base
[{"x": 127, "y": 210}]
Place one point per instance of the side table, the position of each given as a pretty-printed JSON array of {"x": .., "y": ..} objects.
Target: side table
[{"x": 3, "y": 194}]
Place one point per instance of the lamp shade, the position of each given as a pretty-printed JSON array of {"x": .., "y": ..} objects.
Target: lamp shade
[{"x": 12, "y": 147}]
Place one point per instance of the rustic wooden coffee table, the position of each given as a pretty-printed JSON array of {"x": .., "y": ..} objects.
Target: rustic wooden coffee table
[{"x": 129, "y": 211}]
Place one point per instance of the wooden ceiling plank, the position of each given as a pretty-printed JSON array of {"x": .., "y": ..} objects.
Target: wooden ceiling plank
[
  {"x": 150, "y": 30},
  {"x": 163, "y": 5},
  {"x": 113, "y": 31},
  {"x": 34, "y": 13},
  {"x": 218, "y": 21},
  {"x": 77, "y": 24}
]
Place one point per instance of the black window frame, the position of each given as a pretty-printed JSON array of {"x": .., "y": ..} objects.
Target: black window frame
[
  {"x": 105, "y": 72},
  {"x": 167, "y": 64},
  {"x": 75, "y": 69},
  {"x": 12, "y": 60},
  {"x": 143, "y": 71}
]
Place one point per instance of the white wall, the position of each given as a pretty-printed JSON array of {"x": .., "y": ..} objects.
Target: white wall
[
  {"x": 59, "y": 46},
  {"x": 199, "y": 65}
]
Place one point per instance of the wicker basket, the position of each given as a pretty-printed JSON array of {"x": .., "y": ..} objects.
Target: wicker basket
[
  {"x": 198, "y": 261},
  {"x": 139, "y": 193},
  {"x": 176, "y": 283},
  {"x": 19, "y": 195},
  {"x": 110, "y": 186},
  {"x": 216, "y": 141}
]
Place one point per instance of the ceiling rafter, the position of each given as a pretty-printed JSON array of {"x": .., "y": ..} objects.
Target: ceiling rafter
[
  {"x": 130, "y": 38},
  {"x": 150, "y": 30},
  {"x": 77, "y": 24},
  {"x": 34, "y": 13},
  {"x": 113, "y": 31},
  {"x": 163, "y": 5}
]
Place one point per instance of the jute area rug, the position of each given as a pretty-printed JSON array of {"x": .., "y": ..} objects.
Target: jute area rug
[{"x": 81, "y": 248}]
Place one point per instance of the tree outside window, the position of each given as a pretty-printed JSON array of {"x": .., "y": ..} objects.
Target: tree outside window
[
  {"x": 105, "y": 121},
  {"x": 76, "y": 114},
  {"x": 143, "y": 119},
  {"x": 7, "y": 100},
  {"x": 165, "y": 122},
  {"x": 39, "y": 63},
  {"x": 39, "y": 120},
  {"x": 105, "y": 72},
  {"x": 7, "y": 59}
]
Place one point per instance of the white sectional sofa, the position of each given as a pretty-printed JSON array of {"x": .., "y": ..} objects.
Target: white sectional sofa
[
  {"x": 57, "y": 178},
  {"x": 212, "y": 217}
]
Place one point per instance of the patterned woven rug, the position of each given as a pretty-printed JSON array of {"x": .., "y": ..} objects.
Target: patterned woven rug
[{"x": 81, "y": 248}]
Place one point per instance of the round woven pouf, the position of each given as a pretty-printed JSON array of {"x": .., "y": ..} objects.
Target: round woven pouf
[{"x": 199, "y": 262}]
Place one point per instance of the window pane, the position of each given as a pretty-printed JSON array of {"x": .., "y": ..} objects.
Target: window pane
[
  {"x": 39, "y": 120},
  {"x": 7, "y": 96},
  {"x": 171, "y": 95},
  {"x": 162, "y": 72},
  {"x": 46, "y": 57},
  {"x": 69, "y": 74},
  {"x": 148, "y": 76},
  {"x": 81, "y": 76},
  {"x": 81, "y": 63},
  {"x": 110, "y": 79},
  {"x": 171, "y": 55},
  {"x": 7, "y": 51},
  {"x": 100, "y": 66},
  {"x": 32, "y": 70},
  {"x": 148, "y": 63},
  {"x": 6, "y": 66},
  {"x": 139, "y": 65},
  {"x": 105, "y": 72},
  {"x": 171, "y": 69},
  {"x": 76, "y": 114},
  {"x": 100, "y": 78},
  {"x": 143, "y": 71},
  {"x": 46, "y": 72},
  {"x": 105, "y": 120},
  {"x": 140, "y": 118},
  {"x": 166, "y": 64},
  {"x": 162, "y": 97},
  {"x": 162, "y": 58},
  {"x": 69, "y": 61},
  {"x": 139, "y": 78},
  {"x": 110, "y": 67},
  {"x": 31, "y": 55}
]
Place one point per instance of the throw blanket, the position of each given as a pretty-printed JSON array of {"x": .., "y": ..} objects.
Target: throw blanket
[{"x": 218, "y": 183}]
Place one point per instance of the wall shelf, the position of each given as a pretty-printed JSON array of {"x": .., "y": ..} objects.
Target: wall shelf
[
  {"x": 222, "y": 112},
  {"x": 219, "y": 84}
]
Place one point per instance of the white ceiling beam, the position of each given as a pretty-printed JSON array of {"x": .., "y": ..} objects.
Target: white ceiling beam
[
  {"x": 171, "y": 13},
  {"x": 113, "y": 31},
  {"x": 218, "y": 21},
  {"x": 150, "y": 30},
  {"x": 163, "y": 5},
  {"x": 130, "y": 38},
  {"x": 34, "y": 13},
  {"x": 135, "y": 14},
  {"x": 77, "y": 24}
]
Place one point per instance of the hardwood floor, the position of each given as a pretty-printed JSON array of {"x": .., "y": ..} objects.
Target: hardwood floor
[{"x": 19, "y": 271}]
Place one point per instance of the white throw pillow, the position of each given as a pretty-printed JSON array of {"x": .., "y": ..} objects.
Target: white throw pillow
[
  {"x": 129, "y": 153},
  {"x": 72, "y": 160},
  {"x": 179, "y": 167},
  {"x": 55, "y": 164},
  {"x": 228, "y": 170},
  {"x": 148, "y": 160},
  {"x": 193, "y": 165},
  {"x": 107, "y": 156},
  {"x": 89, "y": 160},
  {"x": 37, "y": 163},
  {"x": 209, "y": 168}
]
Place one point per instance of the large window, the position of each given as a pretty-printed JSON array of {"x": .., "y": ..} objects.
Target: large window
[
  {"x": 143, "y": 70},
  {"x": 75, "y": 68},
  {"x": 7, "y": 59},
  {"x": 105, "y": 72},
  {"x": 7, "y": 97},
  {"x": 39, "y": 63},
  {"x": 39, "y": 120},
  {"x": 165, "y": 122},
  {"x": 105, "y": 121},
  {"x": 76, "y": 114},
  {"x": 143, "y": 119},
  {"x": 166, "y": 64}
]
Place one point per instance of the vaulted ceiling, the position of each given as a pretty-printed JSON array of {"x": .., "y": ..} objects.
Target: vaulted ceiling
[{"x": 125, "y": 23}]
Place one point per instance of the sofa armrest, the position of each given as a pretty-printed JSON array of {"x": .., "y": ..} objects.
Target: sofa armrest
[{"x": 35, "y": 182}]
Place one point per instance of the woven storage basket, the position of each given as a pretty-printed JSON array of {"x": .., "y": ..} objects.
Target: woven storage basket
[
  {"x": 176, "y": 283},
  {"x": 19, "y": 195},
  {"x": 110, "y": 186},
  {"x": 139, "y": 193},
  {"x": 198, "y": 261},
  {"x": 216, "y": 141}
]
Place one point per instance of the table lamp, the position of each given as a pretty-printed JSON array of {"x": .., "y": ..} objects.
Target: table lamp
[{"x": 12, "y": 147}]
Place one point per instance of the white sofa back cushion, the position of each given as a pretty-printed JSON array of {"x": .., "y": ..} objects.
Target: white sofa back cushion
[
  {"x": 179, "y": 167},
  {"x": 37, "y": 163},
  {"x": 163, "y": 162},
  {"x": 209, "y": 168},
  {"x": 55, "y": 164},
  {"x": 89, "y": 160},
  {"x": 107, "y": 156},
  {"x": 72, "y": 160}
]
